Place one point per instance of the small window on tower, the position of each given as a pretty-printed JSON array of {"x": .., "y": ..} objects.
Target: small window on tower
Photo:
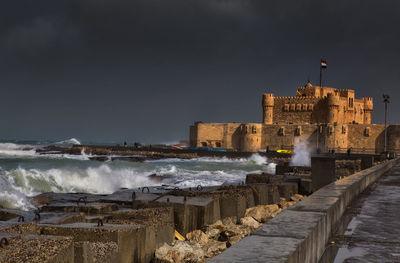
[
  {"x": 298, "y": 107},
  {"x": 286, "y": 107},
  {"x": 218, "y": 144},
  {"x": 281, "y": 131},
  {"x": 204, "y": 144},
  {"x": 367, "y": 131},
  {"x": 310, "y": 107},
  {"x": 253, "y": 129},
  {"x": 292, "y": 107}
]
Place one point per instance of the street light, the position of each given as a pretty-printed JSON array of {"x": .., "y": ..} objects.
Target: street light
[{"x": 386, "y": 101}]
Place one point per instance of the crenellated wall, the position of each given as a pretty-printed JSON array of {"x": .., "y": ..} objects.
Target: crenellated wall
[{"x": 314, "y": 104}]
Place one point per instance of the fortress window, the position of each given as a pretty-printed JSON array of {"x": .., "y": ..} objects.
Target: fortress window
[
  {"x": 203, "y": 144},
  {"x": 351, "y": 102},
  {"x": 298, "y": 107},
  {"x": 218, "y": 144},
  {"x": 367, "y": 131},
  {"x": 292, "y": 107},
  {"x": 310, "y": 107},
  {"x": 330, "y": 130},
  {"x": 286, "y": 107},
  {"x": 281, "y": 131},
  {"x": 304, "y": 107},
  {"x": 297, "y": 131},
  {"x": 344, "y": 129},
  {"x": 253, "y": 129}
]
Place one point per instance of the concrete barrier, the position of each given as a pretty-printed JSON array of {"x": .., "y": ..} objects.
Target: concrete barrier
[{"x": 300, "y": 233}]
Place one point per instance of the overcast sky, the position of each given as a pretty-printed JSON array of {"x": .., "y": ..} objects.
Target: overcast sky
[{"x": 144, "y": 70}]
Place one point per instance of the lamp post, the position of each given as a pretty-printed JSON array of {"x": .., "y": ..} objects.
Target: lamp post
[{"x": 386, "y": 101}]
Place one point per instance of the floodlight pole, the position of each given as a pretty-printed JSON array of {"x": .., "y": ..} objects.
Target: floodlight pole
[{"x": 386, "y": 101}]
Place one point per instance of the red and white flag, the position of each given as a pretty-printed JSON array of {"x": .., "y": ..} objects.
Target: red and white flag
[{"x": 323, "y": 63}]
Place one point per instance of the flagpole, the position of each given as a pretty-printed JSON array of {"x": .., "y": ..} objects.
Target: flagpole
[{"x": 320, "y": 74}]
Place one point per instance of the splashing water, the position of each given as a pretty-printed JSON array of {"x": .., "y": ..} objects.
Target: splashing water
[{"x": 302, "y": 156}]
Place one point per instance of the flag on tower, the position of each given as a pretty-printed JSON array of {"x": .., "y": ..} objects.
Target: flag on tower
[{"x": 323, "y": 63}]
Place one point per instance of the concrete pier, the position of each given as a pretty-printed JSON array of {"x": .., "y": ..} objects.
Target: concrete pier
[{"x": 300, "y": 233}]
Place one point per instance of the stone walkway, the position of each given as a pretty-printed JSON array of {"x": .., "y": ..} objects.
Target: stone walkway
[{"x": 370, "y": 230}]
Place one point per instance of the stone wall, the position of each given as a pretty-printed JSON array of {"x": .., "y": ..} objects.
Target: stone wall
[{"x": 252, "y": 137}]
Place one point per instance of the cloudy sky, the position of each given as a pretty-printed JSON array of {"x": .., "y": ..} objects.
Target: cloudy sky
[{"x": 144, "y": 70}]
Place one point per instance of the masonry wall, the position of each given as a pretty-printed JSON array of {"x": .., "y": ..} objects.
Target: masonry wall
[{"x": 289, "y": 110}]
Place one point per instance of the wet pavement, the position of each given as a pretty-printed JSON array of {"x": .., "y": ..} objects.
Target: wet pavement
[{"x": 370, "y": 228}]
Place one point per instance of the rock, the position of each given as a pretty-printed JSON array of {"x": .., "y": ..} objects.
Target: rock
[
  {"x": 262, "y": 213},
  {"x": 234, "y": 234},
  {"x": 296, "y": 198},
  {"x": 213, "y": 233},
  {"x": 250, "y": 222},
  {"x": 213, "y": 248},
  {"x": 181, "y": 251},
  {"x": 233, "y": 240},
  {"x": 197, "y": 236},
  {"x": 283, "y": 204},
  {"x": 229, "y": 221}
]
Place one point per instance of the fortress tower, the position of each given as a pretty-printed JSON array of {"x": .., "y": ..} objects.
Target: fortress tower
[
  {"x": 333, "y": 102},
  {"x": 368, "y": 107},
  {"x": 268, "y": 108}
]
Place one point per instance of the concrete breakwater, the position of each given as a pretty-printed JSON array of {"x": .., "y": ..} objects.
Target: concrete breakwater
[
  {"x": 128, "y": 225},
  {"x": 300, "y": 233}
]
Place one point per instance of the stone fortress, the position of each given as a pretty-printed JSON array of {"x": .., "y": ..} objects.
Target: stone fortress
[{"x": 325, "y": 118}]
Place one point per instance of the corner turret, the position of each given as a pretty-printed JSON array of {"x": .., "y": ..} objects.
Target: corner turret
[{"x": 268, "y": 102}]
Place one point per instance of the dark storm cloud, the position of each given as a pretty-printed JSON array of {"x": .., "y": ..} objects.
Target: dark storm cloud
[{"x": 144, "y": 70}]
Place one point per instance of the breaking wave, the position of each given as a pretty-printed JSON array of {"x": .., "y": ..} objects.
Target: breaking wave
[
  {"x": 17, "y": 150},
  {"x": 24, "y": 174},
  {"x": 68, "y": 142}
]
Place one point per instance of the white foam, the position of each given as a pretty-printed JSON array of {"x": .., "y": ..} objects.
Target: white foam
[
  {"x": 16, "y": 150},
  {"x": 69, "y": 142},
  {"x": 302, "y": 155}
]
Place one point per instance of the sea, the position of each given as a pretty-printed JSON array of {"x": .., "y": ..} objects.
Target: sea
[{"x": 25, "y": 173}]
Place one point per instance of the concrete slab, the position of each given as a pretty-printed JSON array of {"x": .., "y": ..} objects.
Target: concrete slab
[
  {"x": 90, "y": 208},
  {"x": 308, "y": 226},
  {"x": 130, "y": 238},
  {"x": 257, "y": 249},
  {"x": 333, "y": 207},
  {"x": 37, "y": 249}
]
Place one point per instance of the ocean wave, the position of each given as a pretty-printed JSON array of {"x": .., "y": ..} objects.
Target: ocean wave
[
  {"x": 17, "y": 150},
  {"x": 69, "y": 142},
  {"x": 24, "y": 178},
  {"x": 253, "y": 159}
]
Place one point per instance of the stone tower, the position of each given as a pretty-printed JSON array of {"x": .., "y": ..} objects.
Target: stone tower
[
  {"x": 368, "y": 107},
  {"x": 268, "y": 108},
  {"x": 333, "y": 102}
]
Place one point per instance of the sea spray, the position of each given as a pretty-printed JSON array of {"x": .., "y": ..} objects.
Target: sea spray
[{"x": 301, "y": 155}]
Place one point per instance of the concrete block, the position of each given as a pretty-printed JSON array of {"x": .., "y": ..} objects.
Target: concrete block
[
  {"x": 333, "y": 207},
  {"x": 89, "y": 208},
  {"x": 306, "y": 187},
  {"x": 322, "y": 171},
  {"x": 265, "y": 194},
  {"x": 286, "y": 190},
  {"x": 130, "y": 238},
  {"x": 191, "y": 213},
  {"x": 262, "y": 178},
  {"x": 367, "y": 162},
  {"x": 308, "y": 226},
  {"x": 233, "y": 203},
  {"x": 260, "y": 249},
  {"x": 37, "y": 249}
]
